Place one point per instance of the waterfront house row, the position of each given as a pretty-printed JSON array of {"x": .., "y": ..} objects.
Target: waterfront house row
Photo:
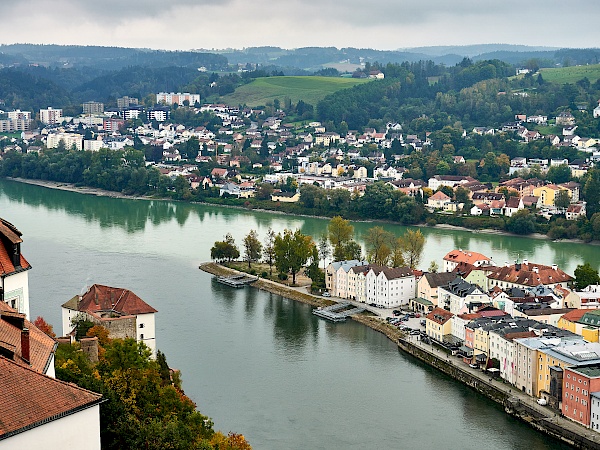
[{"x": 384, "y": 287}]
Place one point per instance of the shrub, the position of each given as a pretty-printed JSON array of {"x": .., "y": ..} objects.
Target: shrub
[
  {"x": 264, "y": 274},
  {"x": 282, "y": 276}
]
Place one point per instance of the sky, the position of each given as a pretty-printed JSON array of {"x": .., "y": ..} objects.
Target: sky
[{"x": 378, "y": 24}]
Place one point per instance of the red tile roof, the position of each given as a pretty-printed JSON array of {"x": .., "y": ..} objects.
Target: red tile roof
[
  {"x": 439, "y": 316},
  {"x": 41, "y": 346},
  {"x": 30, "y": 399},
  {"x": 466, "y": 256},
  {"x": 10, "y": 236},
  {"x": 100, "y": 298},
  {"x": 575, "y": 315},
  {"x": 530, "y": 274}
]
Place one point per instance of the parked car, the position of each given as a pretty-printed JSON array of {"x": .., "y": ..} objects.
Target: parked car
[
  {"x": 423, "y": 322},
  {"x": 326, "y": 294},
  {"x": 542, "y": 401},
  {"x": 474, "y": 366},
  {"x": 396, "y": 312},
  {"x": 417, "y": 315}
]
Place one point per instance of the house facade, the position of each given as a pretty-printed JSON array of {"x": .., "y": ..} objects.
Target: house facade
[{"x": 14, "y": 280}]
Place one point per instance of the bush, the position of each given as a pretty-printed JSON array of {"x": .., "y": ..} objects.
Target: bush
[
  {"x": 282, "y": 276},
  {"x": 252, "y": 271},
  {"x": 431, "y": 222},
  {"x": 265, "y": 274}
]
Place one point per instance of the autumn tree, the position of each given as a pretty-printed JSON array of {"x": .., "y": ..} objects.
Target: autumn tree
[
  {"x": 378, "y": 243},
  {"x": 292, "y": 251},
  {"x": 252, "y": 247},
  {"x": 340, "y": 232},
  {"x": 44, "y": 326},
  {"x": 413, "y": 243}
]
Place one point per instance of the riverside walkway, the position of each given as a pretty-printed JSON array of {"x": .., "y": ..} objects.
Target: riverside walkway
[{"x": 543, "y": 417}]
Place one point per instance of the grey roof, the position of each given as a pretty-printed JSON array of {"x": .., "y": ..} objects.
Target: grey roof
[{"x": 439, "y": 279}]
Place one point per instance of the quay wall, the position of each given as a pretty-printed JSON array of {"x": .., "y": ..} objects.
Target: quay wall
[{"x": 494, "y": 390}]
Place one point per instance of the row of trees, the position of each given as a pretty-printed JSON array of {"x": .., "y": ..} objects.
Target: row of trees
[{"x": 290, "y": 251}]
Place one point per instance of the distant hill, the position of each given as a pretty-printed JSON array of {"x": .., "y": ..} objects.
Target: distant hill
[
  {"x": 308, "y": 89},
  {"x": 111, "y": 58},
  {"x": 474, "y": 50}
]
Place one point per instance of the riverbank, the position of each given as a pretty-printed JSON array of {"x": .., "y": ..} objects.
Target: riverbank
[
  {"x": 69, "y": 187},
  {"x": 514, "y": 402}
]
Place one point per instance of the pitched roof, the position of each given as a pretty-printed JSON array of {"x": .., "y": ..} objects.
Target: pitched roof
[
  {"x": 574, "y": 315},
  {"x": 465, "y": 256},
  {"x": 439, "y": 195},
  {"x": 41, "y": 346},
  {"x": 439, "y": 279},
  {"x": 530, "y": 274},
  {"x": 101, "y": 298},
  {"x": 439, "y": 316},
  {"x": 9, "y": 237},
  {"x": 392, "y": 273},
  {"x": 30, "y": 399}
]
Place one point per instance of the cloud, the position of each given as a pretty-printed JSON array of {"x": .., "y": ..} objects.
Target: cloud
[{"x": 382, "y": 24}]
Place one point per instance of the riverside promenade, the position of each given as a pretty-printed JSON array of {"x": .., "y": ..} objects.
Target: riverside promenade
[{"x": 515, "y": 402}]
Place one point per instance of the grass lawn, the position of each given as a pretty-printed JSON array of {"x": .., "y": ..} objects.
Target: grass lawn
[
  {"x": 308, "y": 89},
  {"x": 12, "y": 135},
  {"x": 573, "y": 74}
]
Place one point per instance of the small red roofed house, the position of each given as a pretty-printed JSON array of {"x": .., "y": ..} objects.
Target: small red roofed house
[
  {"x": 119, "y": 310},
  {"x": 218, "y": 173},
  {"x": 453, "y": 258},
  {"x": 438, "y": 200},
  {"x": 38, "y": 411},
  {"x": 438, "y": 324}
]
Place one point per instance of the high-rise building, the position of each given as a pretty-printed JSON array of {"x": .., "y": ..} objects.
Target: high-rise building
[
  {"x": 179, "y": 98},
  {"x": 50, "y": 116},
  {"x": 124, "y": 102},
  {"x": 93, "y": 108}
]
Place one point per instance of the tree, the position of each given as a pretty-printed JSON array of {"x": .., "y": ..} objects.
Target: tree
[
  {"x": 269, "y": 250},
  {"x": 413, "y": 243},
  {"x": 591, "y": 191},
  {"x": 340, "y": 232},
  {"x": 433, "y": 267},
  {"x": 397, "y": 257},
  {"x": 585, "y": 275},
  {"x": 352, "y": 250},
  {"x": 562, "y": 199},
  {"x": 521, "y": 222},
  {"x": 225, "y": 250},
  {"x": 252, "y": 247},
  {"x": 292, "y": 251},
  {"x": 44, "y": 326},
  {"x": 378, "y": 243},
  {"x": 324, "y": 250},
  {"x": 559, "y": 174}
]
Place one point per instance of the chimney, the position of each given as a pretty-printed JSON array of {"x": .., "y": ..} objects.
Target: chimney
[
  {"x": 525, "y": 262},
  {"x": 536, "y": 270},
  {"x": 554, "y": 267},
  {"x": 25, "y": 354}
]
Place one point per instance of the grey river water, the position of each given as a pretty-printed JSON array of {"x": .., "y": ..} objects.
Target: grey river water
[{"x": 256, "y": 363}]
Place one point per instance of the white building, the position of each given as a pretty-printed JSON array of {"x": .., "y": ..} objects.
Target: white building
[
  {"x": 179, "y": 98},
  {"x": 462, "y": 297},
  {"x": 336, "y": 276},
  {"x": 389, "y": 288},
  {"x": 46, "y": 412},
  {"x": 455, "y": 257},
  {"x": 69, "y": 140},
  {"x": 120, "y": 311},
  {"x": 14, "y": 281},
  {"x": 51, "y": 116}
]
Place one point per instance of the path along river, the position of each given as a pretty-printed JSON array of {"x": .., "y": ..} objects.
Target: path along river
[{"x": 256, "y": 363}]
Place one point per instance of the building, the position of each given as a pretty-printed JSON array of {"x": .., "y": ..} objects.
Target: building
[
  {"x": 527, "y": 275},
  {"x": 179, "y": 98},
  {"x": 93, "y": 108},
  {"x": 14, "y": 280},
  {"x": 69, "y": 140},
  {"x": 453, "y": 258},
  {"x": 120, "y": 311},
  {"x": 581, "y": 391},
  {"x": 50, "y": 116},
  {"x": 39, "y": 411},
  {"x": 124, "y": 102},
  {"x": 461, "y": 297},
  {"x": 427, "y": 287},
  {"x": 438, "y": 200},
  {"x": 112, "y": 124},
  {"x": 549, "y": 193},
  {"x": 336, "y": 276},
  {"x": 438, "y": 324},
  {"x": 158, "y": 114},
  {"x": 24, "y": 343},
  {"x": 390, "y": 287}
]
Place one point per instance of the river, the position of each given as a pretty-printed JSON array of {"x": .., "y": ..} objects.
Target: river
[{"x": 256, "y": 363}]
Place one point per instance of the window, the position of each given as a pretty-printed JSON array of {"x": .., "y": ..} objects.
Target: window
[
  {"x": 141, "y": 336},
  {"x": 141, "y": 325}
]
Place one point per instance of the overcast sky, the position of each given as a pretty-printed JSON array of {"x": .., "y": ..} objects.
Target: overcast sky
[{"x": 379, "y": 24}]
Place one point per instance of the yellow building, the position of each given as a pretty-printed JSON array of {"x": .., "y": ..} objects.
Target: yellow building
[
  {"x": 548, "y": 193},
  {"x": 438, "y": 324},
  {"x": 585, "y": 323}
]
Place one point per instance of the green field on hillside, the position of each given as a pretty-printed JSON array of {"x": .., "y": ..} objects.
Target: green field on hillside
[
  {"x": 573, "y": 74},
  {"x": 308, "y": 89}
]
